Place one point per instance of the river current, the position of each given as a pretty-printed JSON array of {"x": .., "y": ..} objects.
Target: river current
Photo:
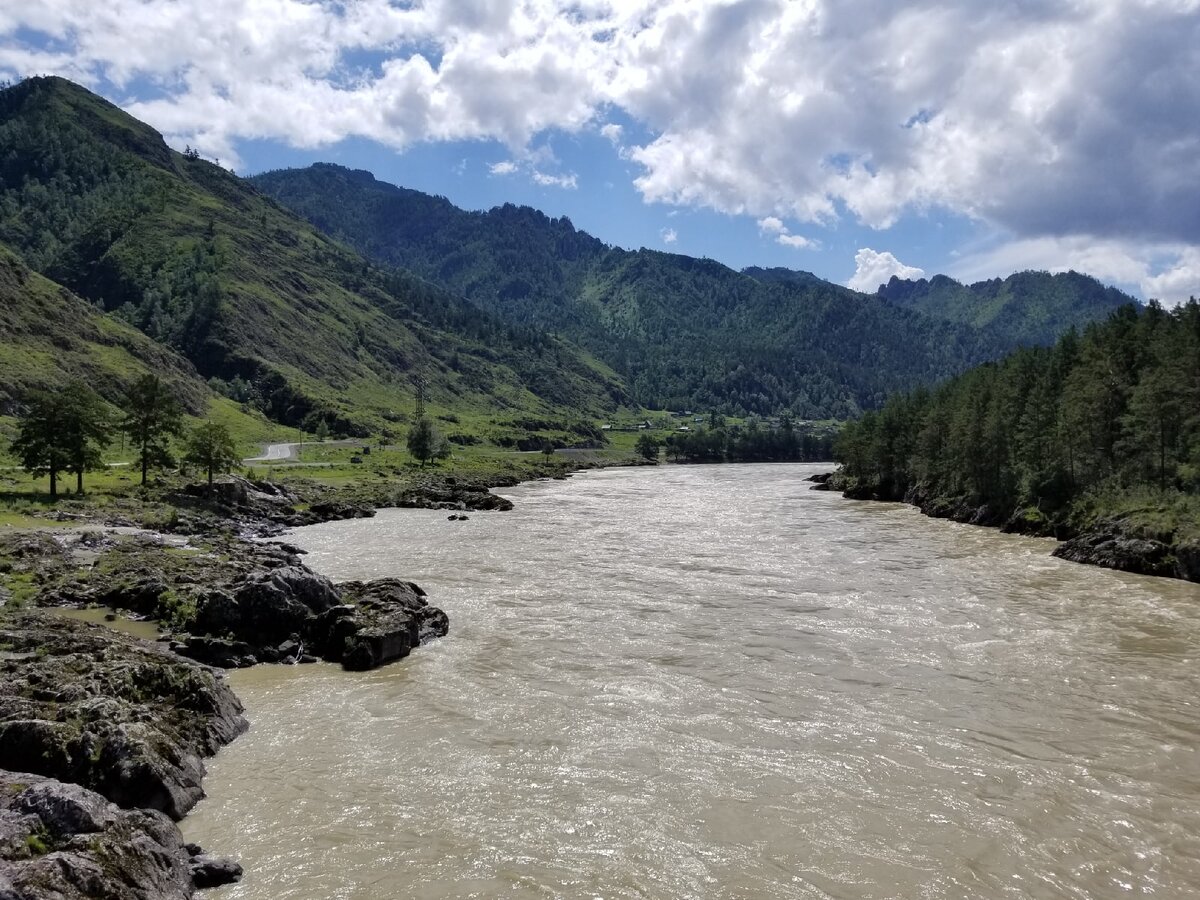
[{"x": 711, "y": 681}]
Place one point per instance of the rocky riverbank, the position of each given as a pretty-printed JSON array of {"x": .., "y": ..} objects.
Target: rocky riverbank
[
  {"x": 1110, "y": 542},
  {"x": 254, "y": 508},
  {"x": 102, "y": 740},
  {"x": 102, "y": 736}
]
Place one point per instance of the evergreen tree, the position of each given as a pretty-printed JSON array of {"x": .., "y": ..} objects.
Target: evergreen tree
[
  {"x": 63, "y": 431},
  {"x": 426, "y": 443},
  {"x": 1112, "y": 410},
  {"x": 88, "y": 430},
  {"x": 210, "y": 446},
  {"x": 152, "y": 417}
]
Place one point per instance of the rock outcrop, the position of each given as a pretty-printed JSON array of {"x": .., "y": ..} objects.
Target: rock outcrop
[
  {"x": 234, "y": 603},
  {"x": 125, "y": 718},
  {"x": 384, "y": 621},
  {"x": 63, "y": 842},
  {"x": 1110, "y": 546}
]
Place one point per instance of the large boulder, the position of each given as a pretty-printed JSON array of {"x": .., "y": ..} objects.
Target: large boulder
[{"x": 384, "y": 621}]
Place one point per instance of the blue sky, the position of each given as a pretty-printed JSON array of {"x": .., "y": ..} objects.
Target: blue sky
[{"x": 852, "y": 138}]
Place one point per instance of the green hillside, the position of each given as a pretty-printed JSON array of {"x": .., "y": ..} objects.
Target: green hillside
[
  {"x": 52, "y": 337},
  {"x": 268, "y": 308},
  {"x": 686, "y": 333},
  {"x": 1025, "y": 308}
]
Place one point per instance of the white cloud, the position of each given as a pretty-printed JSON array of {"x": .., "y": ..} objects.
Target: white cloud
[
  {"x": 874, "y": 268},
  {"x": 1048, "y": 119},
  {"x": 796, "y": 241},
  {"x": 1169, "y": 273},
  {"x": 569, "y": 181},
  {"x": 1177, "y": 282},
  {"x": 774, "y": 226},
  {"x": 669, "y": 235}
]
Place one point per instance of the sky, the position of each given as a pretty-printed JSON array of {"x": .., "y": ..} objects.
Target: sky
[{"x": 856, "y": 139}]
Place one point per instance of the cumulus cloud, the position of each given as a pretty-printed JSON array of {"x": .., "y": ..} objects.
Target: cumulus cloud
[
  {"x": 1051, "y": 120},
  {"x": 669, "y": 235},
  {"x": 505, "y": 167},
  {"x": 873, "y": 268},
  {"x": 1177, "y": 282},
  {"x": 775, "y": 227}
]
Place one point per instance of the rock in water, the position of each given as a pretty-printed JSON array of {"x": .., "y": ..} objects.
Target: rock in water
[
  {"x": 214, "y": 871},
  {"x": 383, "y": 621}
]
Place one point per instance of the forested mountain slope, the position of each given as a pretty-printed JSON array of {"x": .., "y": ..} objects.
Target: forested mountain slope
[
  {"x": 1023, "y": 309},
  {"x": 1106, "y": 422},
  {"x": 251, "y": 294},
  {"x": 685, "y": 332}
]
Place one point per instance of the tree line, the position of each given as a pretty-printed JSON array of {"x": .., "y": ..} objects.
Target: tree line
[
  {"x": 66, "y": 431},
  {"x": 752, "y": 441},
  {"x": 1113, "y": 408}
]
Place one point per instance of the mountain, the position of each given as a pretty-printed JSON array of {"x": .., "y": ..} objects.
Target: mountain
[
  {"x": 324, "y": 295},
  {"x": 52, "y": 337},
  {"x": 685, "y": 333},
  {"x": 259, "y": 301},
  {"x": 1028, "y": 308}
]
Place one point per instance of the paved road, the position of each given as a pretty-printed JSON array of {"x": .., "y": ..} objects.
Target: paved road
[
  {"x": 285, "y": 452},
  {"x": 274, "y": 453}
]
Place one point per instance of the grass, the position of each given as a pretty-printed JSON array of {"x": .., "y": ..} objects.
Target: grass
[{"x": 1168, "y": 515}]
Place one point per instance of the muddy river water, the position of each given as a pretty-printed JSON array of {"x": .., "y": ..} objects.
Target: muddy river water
[{"x": 711, "y": 681}]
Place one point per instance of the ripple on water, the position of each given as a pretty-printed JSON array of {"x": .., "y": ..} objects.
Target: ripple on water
[{"x": 712, "y": 682}]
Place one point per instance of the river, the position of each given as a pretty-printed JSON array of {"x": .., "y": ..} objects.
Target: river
[{"x": 710, "y": 681}]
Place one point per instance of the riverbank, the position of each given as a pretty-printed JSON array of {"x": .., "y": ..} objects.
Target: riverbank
[
  {"x": 84, "y": 722},
  {"x": 1139, "y": 539},
  {"x": 102, "y": 738}
]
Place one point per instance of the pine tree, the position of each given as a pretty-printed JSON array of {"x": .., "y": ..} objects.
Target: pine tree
[
  {"x": 62, "y": 431},
  {"x": 211, "y": 447},
  {"x": 152, "y": 417}
]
